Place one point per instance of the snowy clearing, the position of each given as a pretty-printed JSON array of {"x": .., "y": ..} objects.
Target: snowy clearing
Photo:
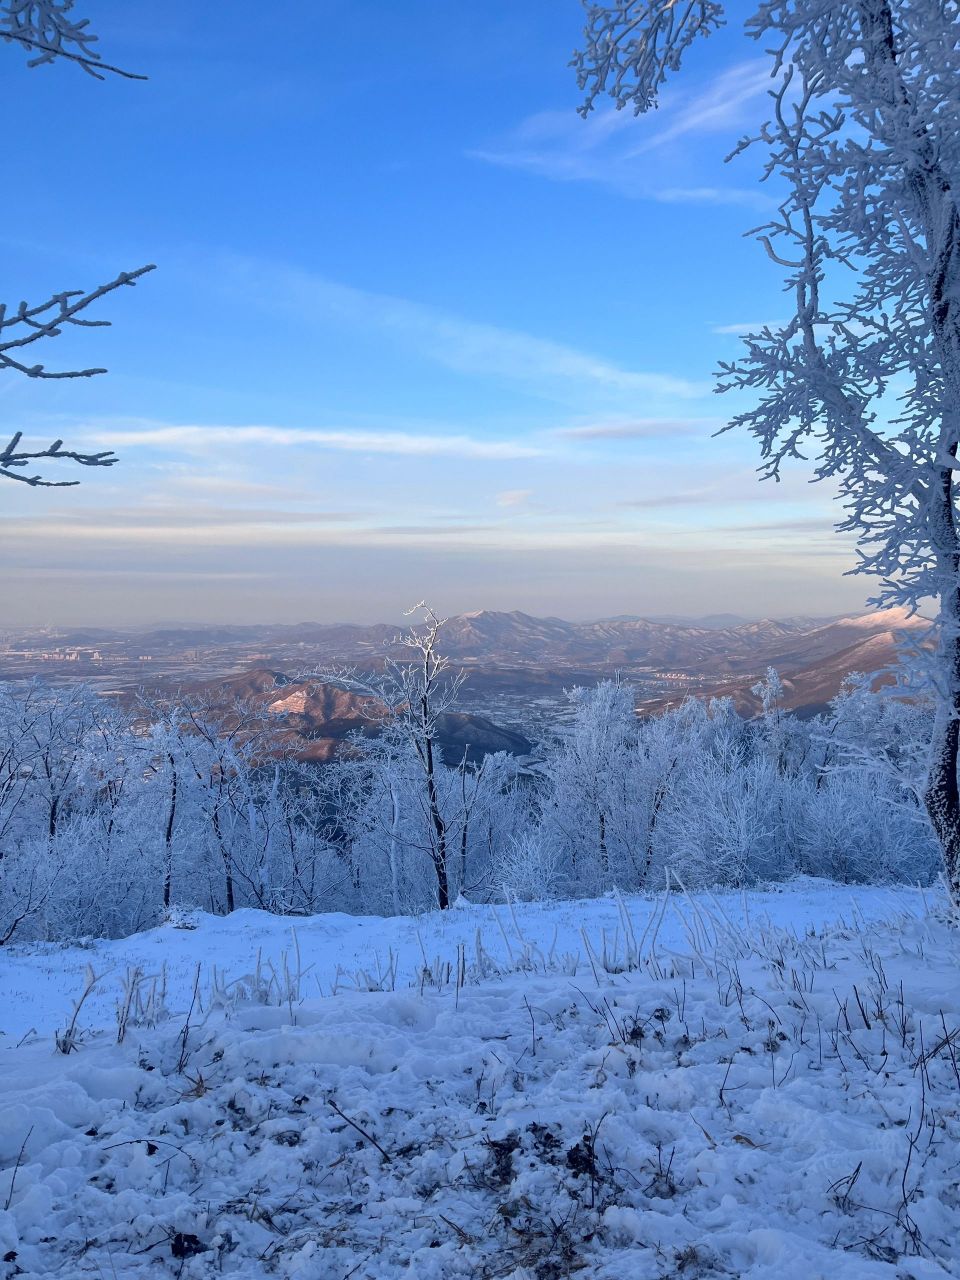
[
  {"x": 741, "y": 1099},
  {"x": 39, "y": 983}
]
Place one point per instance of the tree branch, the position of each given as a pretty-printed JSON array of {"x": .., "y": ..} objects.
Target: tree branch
[
  {"x": 44, "y": 26},
  {"x": 631, "y": 46},
  {"x": 12, "y": 457},
  {"x": 46, "y": 320}
]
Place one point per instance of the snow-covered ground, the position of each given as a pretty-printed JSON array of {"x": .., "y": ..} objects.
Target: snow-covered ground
[
  {"x": 691, "y": 1087},
  {"x": 39, "y": 984}
]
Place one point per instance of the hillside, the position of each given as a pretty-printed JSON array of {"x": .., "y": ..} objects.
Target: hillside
[
  {"x": 810, "y": 688},
  {"x": 313, "y": 718},
  {"x": 792, "y": 643}
]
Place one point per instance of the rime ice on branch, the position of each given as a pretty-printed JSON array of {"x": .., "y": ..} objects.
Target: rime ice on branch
[
  {"x": 33, "y": 324},
  {"x": 417, "y": 690},
  {"x": 45, "y": 28},
  {"x": 13, "y": 456},
  {"x": 864, "y": 139}
]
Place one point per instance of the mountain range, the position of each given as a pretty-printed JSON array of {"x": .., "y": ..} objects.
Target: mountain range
[
  {"x": 313, "y": 716},
  {"x": 864, "y": 642},
  {"x": 508, "y": 655}
]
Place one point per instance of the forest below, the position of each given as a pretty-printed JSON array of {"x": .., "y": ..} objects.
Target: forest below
[{"x": 112, "y": 820}]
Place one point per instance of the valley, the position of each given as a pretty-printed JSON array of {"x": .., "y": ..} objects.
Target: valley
[{"x": 517, "y": 665}]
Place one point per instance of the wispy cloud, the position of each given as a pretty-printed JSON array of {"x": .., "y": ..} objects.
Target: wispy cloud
[
  {"x": 454, "y": 341},
  {"x": 718, "y": 109},
  {"x": 447, "y": 532},
  {"x": 166, "y": 518},
  {"x": 693, "y": 497},
  {"x": 227, "y": 487},
  {"x": 175, "y": 525},
  {"x": 641, "y": 429},
  {"x": 812, "y": 524},
  {"x": 513, "y": 497},
  {"x": 746, "y": 326},
  {"x": 219, "y": 438},
  {"x": 183, "y": 576},
  {"x": 613, "y": 147},
  {"x": 228, "y": 542},
  {"x": 743, "y": 196}
]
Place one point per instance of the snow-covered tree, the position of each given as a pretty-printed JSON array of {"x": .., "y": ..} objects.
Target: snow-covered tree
[
  {"x": 879, "y": 733},
  {"x": 387, "y": 828},
  {"x": 863, "y": 150},
  {"x": 221, "y": 770},
  {"x": 72, "y": 819},
  {"x": 416, "y": 689},
  {"x": 108, "y": 818},
  {"x": 590, "y": 806},
  {"x": 722, "y": 826}
]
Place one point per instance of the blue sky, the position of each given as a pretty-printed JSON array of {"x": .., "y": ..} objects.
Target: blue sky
[{"x": 417, "y": 330}]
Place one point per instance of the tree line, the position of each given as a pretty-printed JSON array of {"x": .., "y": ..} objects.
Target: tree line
[{"x": 112, "y": 819}]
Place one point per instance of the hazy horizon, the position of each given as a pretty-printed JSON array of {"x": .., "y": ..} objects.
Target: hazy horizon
[
  {"x": 104, "y": 599},
  {"x": 408, "y": 617}
]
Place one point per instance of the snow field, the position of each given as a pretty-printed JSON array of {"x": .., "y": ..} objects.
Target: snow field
[
  {"x": 740, "y": 1099},
  {"x": 39, "y": 983}
]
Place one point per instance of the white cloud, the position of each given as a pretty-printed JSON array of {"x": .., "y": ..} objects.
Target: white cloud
[
  {"x": 230, "y": 486},
  {"x": 718, "y": 109},
  {"x": 691, "y": 497},
  {"x": 121, "y": 536},
  {"x": 613, "y": 147},
  {"x": 214, "y": 438}
]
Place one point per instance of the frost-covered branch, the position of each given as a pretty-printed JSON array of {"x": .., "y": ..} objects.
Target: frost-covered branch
[
  {"x": 46, "y": 29},
  {"x": 22, "y": 327},
  {"x": 13, "y": 457},
  {"x": 631, "y": 47},
  {"x": 27, "y": 325},
  {"x": 863, "y": 140}
]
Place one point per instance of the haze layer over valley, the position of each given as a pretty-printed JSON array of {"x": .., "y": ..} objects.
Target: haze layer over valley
[{"x": 518, "y": 666}]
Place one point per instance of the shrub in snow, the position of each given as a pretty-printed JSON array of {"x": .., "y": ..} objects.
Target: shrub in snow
[
  {"x": 725, "y": 823},
  {"x": 529, "y": 867}
]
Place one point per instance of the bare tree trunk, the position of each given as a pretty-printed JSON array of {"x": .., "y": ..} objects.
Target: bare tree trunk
[
  {"x": 227, "y": 863},
  {"x": 439, "y": 850},
  {"x": 942, "y": 795},
  {"x": 463, "y": 852},
  {"x": 659, "y": 796},
  {"x": 943, "y": 800},
  {"x": 394, "y": 849},
  {"x": 466, "y": 821},
  {"x": 439, "y": 830},
  {"x": 168, "y": 837}
]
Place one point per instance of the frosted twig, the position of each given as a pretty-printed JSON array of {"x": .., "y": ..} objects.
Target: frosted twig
[{"x": 16, "y": 1170}]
